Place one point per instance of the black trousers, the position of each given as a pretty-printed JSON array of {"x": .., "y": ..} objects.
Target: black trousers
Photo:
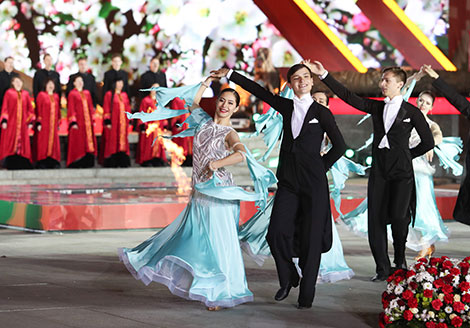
[
  {"x": 388, "y": 203},
  {"x": 297, "y": 213}
]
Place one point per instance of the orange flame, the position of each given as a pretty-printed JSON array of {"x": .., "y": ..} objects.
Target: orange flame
[{"x": 177, "y": 158}]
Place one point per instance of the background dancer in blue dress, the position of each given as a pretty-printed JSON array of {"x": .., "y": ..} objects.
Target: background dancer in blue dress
[
  {"x": 198, "y": 256},
  {"x": 428, "y": 227}
]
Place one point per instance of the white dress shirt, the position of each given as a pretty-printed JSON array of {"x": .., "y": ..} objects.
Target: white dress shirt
[
  {"x": 301, "y": 106},
  {"x": 392, "y": 107}
]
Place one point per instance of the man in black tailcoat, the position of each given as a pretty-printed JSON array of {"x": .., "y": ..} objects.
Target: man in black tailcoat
[
  {"x": 391, "y": 189},
  {"x": 302, "y": 203}
]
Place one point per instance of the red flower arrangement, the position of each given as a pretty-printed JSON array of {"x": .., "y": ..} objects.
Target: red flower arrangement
[{"x": 433, "y": 293}]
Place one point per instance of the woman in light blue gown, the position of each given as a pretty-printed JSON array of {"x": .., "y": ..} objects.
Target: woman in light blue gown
[
  {"x": 198, "y": 255},
  {"x": 252, "y": 234},
  {"x": 428, "y": 227}
]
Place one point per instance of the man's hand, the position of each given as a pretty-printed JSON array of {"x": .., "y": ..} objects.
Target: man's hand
[
  {"x": 429, "y": 71},
  {"x": 429, "y": 155},
  {"x": 4, "y": 125},
  {"x": 39, "y": 127},
  {"x": 221, "y": 72},
  {"x": 316, "y": 67}
]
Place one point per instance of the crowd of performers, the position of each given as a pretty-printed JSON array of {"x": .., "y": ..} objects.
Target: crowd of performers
[
  {"x": 21, "y": 113},
  {"x": 198, "y": 256}
]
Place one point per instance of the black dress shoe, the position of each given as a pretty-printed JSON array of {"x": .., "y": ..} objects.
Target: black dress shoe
[
  {"x": 379, "y": 277},
  {"x": 301, "y": 306},
  {"x": 282, "y": 293},
  {"x": 401, "y": 266}
]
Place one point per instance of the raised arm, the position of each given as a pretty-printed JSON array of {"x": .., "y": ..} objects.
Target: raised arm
[
  {"x": 362, "y": 104},
  {"x": 456, "y": 99},
  {"x": 254, "y": 88},
  {"x": 338, "y": 148},
  {"x": 197, "y": 98}
]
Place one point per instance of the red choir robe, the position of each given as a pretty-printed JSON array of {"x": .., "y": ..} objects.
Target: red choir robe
[
  {"x": 46, "y": 142},
  {"x": 80, "y": 111},
  {"x": 187, "y": 142},
  {"x": 114, "y": 139},
  {"x": 18, "y": 112},
  {"x": 145, "y": 151}
]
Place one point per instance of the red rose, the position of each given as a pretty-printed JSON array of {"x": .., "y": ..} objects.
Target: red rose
[
  {"x": 407, "y": 315},
  {"x": 432, "y": 270},
  {"x": 410, "y": 273},
  {"x": 448, "y": 279},
  {"x": 398, "y": 279},
  {"x": 447, "y": 289},
  {"x": 441, "y": 325},
  {"x": 401, "y": 302},
  {"x": 438, "y": 283},
  {"x": 436, "y": 304},
  {"x": 431, "y": 324},
  {"x": 413, "y": 303},
  {"x": 407, "y": 294},
  {"x": 413, "y": 285},
  {"x": 466, "y": 298},
  {"x": 435, "y": 260},
  {"x": 448, "y": 298},
  {"x": 455, "y": 271},
  {"x": 459, "y": 306},
  {"x": 385, "y": 304},
  {"x": 447, "y": 264},
  {"x": 427, "y": 293},
  {"x": 464, "y": 286},
  {"x": 457, "y": 321},
  {"x": 361, "y": 22}
]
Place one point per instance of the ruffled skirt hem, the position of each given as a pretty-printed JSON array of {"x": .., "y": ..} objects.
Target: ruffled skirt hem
[{"x": 147, "y": 275}]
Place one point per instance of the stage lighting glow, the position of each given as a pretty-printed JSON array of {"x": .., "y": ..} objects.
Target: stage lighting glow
[
  {"x": 349, "y": 153},
  {"x": 369, "y": 160},
  {"x": 256, "y": 116},
  {"x": 323, "y": 27},
  {"x": 433, "y": 50}
]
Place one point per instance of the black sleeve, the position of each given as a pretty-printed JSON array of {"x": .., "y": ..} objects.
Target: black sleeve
[
  {"x": 276, "y": 102},
  {"x": 106, "y": 83},
  {"x": 456, "y": 99},
  {"x": 93, "y": 89},
  {"x": 163, "y": 84},
  {"x": 362, "y": 104},
  {"x": 36, "y": 83},
  {"x": 328, "y": 123},
  {"x": 424, "y": 132}
]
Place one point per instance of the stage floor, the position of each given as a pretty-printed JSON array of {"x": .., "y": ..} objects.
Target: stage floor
[
  {"x": 134, "y": 205},
  {"x": 76, "y": 280}
]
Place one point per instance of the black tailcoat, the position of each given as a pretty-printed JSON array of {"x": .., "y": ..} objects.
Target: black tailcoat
[
  {"x": 391, "y": 188},
  {"x": 302, "y": 201},
  {"x": 462, "y": 207}
]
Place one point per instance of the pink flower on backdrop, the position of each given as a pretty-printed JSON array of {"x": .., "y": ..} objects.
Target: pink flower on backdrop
[
  {"x": 361, "y": 22},
  {"x": 261, "y": 43},
  {"x": 59, "y": 67},
  {"x": 273, "y": 28},
  {"x": 154, "y": 30}
]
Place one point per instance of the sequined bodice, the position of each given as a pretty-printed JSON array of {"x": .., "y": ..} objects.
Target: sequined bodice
[{"x": 209, "y": 145}]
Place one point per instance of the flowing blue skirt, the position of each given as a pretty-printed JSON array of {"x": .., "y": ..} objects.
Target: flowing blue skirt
[
  {"x": 428, "y": 228},
  {"x": 252, "y": 237},
  {"x": 197, "y": 256}
]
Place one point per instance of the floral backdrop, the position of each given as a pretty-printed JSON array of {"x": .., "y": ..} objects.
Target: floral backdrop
[{"x": 192, "y": 36}]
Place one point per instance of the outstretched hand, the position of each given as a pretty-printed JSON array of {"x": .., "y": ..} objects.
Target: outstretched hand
[
  {"x": 429, "y": 71},
  {"x": 221, "y": 72},
  {"x": 316, "y": 67}
]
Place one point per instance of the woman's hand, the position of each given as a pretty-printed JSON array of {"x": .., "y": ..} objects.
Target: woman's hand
[
  {"x": 429, "y": 71},
  {"x": 429, "y": 155},
  {"x": 209, "y": 170},
  {"x": 221, "y": 72}
]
